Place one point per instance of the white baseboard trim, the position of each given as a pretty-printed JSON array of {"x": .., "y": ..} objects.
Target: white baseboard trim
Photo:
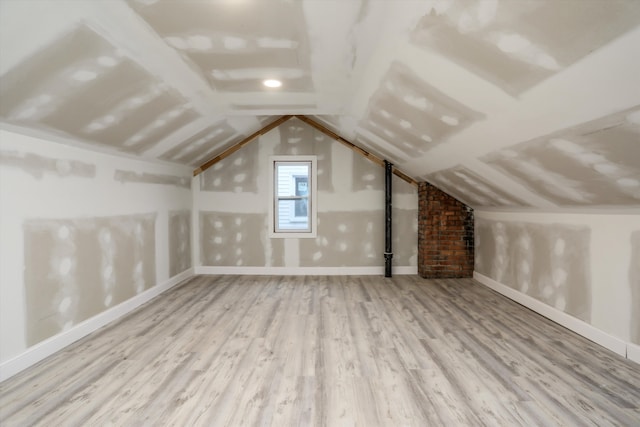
[
  {"x": 306, "y": 271},
  {"x": 51, "y": 345},
  {"x": 633, "y": 352},
  {"x": 576, "y": 325}
]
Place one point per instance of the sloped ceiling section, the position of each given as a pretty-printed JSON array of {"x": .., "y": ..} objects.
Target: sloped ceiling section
[
  {"x": 516, "y": 44},
  {"x": 595, "y": 163},
  {"x": 407, "y": 109},
  {"x": 233, "y": 46},
  {"x": 505, "y": 104},
  {"x": 80, "y": 85}
]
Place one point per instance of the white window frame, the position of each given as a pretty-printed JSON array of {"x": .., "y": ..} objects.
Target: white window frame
[{"x": 313, "y": 193}]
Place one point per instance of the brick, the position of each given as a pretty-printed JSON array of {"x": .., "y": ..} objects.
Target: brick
[{"x": 445, "y": 235}]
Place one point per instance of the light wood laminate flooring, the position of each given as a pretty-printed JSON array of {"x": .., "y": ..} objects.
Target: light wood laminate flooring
[{"x": 327, "y": 351}]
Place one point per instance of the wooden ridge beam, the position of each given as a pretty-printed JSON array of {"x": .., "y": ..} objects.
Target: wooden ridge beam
[
  {"x": 229, "y": 151},
  {"x": 375, "y": 159}
]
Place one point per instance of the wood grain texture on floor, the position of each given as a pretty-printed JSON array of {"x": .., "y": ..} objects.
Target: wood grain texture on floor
[{"x": 327, "y": 351}]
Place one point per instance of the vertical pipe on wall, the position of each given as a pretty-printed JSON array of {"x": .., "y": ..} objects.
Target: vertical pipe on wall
[{"x": 388, "y": 254}]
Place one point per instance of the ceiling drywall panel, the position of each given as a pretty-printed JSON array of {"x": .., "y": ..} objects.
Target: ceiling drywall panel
[
  {"x": 518, "y": 43},
  {"x": 234, "y": 46},
  {"x": 518, "y": 104},
  {"x": 82, "y": 86},
  {"x": 595, "y": 163}
]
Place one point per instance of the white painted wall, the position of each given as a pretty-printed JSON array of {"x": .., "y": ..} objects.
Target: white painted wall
[{"x": 52, "y": 196}]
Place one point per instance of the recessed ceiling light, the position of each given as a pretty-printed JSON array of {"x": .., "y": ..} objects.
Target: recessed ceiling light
[{"x": 272, "y": 83}]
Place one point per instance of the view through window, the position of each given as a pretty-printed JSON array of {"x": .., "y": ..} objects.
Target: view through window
[
  {"x": 293, "y": 209},
  {"x": 292, "y": 179}
]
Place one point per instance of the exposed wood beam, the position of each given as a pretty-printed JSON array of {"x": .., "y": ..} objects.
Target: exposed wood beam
[
  {"x": 375, "y": 159},
  {"x": 229, "y": 151}
]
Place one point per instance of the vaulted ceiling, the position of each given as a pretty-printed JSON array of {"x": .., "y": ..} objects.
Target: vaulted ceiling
[{"x": 519, "y": 104}]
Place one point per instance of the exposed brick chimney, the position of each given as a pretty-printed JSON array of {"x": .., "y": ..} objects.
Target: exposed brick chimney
[{"x": 445, "y": 235}]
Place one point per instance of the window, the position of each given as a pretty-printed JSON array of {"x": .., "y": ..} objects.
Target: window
[{"x": 293, "y": 209}]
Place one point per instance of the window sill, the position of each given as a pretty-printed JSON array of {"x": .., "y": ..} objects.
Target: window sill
[{"x": 292, "y": 235}]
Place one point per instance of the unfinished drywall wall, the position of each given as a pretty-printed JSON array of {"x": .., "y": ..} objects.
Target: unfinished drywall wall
[
  {"x": 76, "y": 268},
  {"x": 299, "y": 140},
  {"x": 238, "y": 239},
  {"x": 179, "y": 241},
  {"x": 547, "y": 262},
  {"x": 38, "y": 166},
  {"x": 81, "y": 233},
  {"x": 151, "y": 178},
  {"x": 634, "y": 282},
  {"x": 234, "y": 173},
  {"x": 585, "y": 265},
  {"x": 233, "y": 200}
]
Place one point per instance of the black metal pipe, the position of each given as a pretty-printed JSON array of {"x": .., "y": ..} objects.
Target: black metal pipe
[{"x": 388, "y": 251}]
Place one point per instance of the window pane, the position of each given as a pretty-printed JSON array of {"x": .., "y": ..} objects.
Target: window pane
[
  {"x": 287, "y": 218},
  {"x": 291, "y": 179},
  {"x": 292, "y": 196},
  {"x": 302, "y": 189}
]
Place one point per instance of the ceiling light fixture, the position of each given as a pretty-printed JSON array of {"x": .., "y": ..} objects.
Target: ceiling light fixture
[{"x": 272, "y": 83}]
